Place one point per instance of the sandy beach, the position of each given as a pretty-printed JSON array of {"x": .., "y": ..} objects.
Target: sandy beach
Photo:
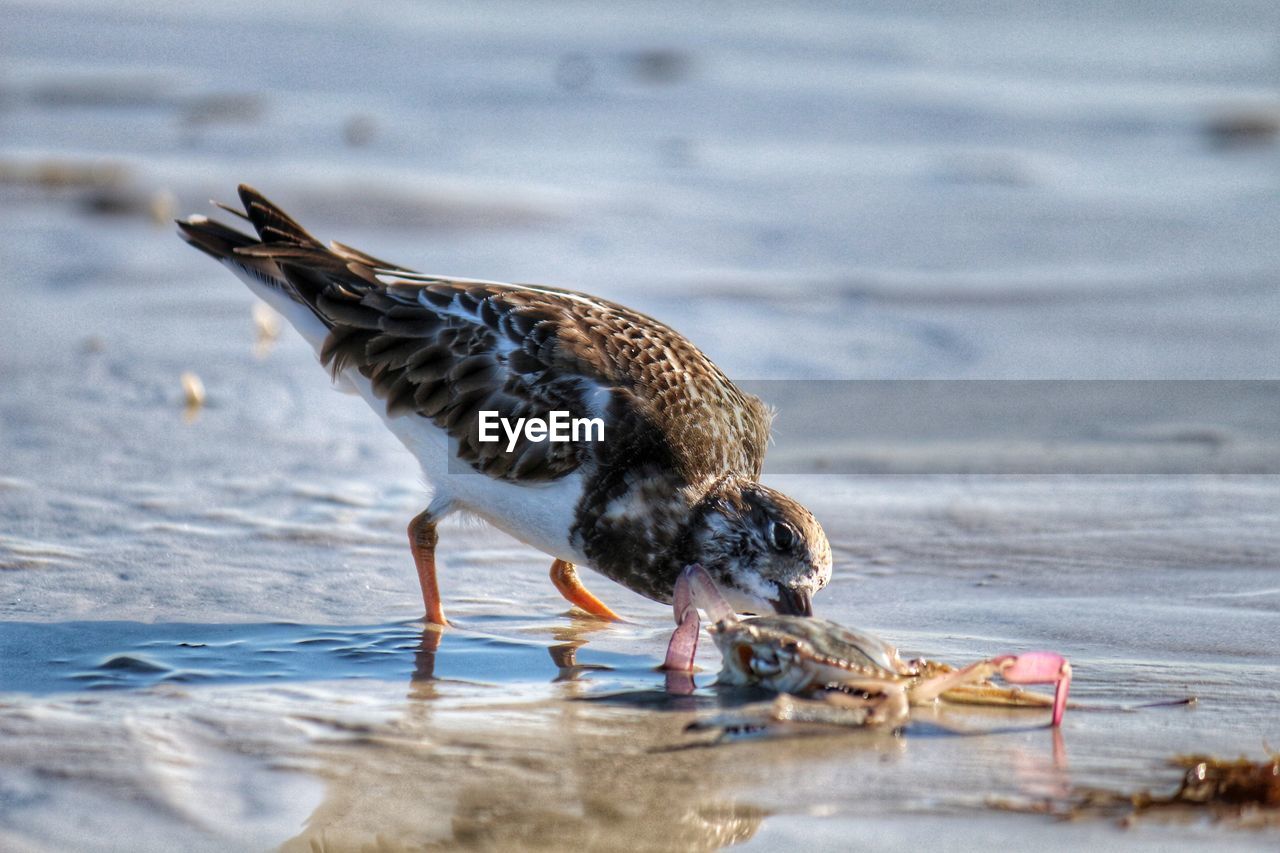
[{"x": 210, "y": 628}]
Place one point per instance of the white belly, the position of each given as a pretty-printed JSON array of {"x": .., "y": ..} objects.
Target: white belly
[{"x": 539, "y": 515}]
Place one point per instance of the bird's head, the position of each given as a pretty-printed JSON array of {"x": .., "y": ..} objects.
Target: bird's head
[{"x": 765, "y": 552}]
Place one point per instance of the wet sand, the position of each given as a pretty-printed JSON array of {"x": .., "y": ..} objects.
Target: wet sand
[{"x": 207, "y": 619}]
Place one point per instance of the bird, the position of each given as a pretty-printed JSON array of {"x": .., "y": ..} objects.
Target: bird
[{"x": 671, "y": 479}]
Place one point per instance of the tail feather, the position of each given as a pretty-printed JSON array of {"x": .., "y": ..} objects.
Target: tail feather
[
  {"x": 273, "y": 224},
  {"x": 239, "y": 251},
  {"x": 284, "y": 264},
  {"x": 213, "y": 238}
]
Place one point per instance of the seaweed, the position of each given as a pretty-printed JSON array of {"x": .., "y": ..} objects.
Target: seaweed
[{"x": 1241, "y": 791}]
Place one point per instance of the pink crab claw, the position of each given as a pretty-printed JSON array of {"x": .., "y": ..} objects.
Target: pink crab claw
[
  {"x": 684, "y": 640},
  {"x": 694, "y": 590},
  {"x": 1039, "y": 668}
]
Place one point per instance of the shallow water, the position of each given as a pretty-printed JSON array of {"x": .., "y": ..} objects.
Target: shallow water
[{"x": 208, "y": 633}]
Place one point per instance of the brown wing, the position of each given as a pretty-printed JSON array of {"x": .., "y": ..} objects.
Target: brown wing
[{"x": 447, "y": 349}]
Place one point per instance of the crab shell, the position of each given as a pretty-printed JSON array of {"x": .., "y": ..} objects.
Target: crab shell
[{"x": 791, "y": 654}]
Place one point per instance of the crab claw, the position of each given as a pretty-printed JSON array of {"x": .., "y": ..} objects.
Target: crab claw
[
  {"x": 684, "y": 640},
  {"x": 682, "y": 597},
  {"x": 1040, "y": 668},
  {"x": 694, "y": 590}
]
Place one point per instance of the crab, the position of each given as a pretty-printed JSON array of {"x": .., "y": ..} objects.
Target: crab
[{"x": 827, "y": 673}]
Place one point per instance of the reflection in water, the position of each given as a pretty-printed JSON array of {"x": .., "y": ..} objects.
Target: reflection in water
[
  {"x": 460, "y": 738},
  {"x": 1040, "y": 776},
  {"x": 549, "y": 774},
  {"x": 569, "y": 638},
  {"x": 482, "y": 767}
]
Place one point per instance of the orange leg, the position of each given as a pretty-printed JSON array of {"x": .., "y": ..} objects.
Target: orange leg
[
  {"x": 565, "y": 577},
  {"x": 422, "y": 542}
]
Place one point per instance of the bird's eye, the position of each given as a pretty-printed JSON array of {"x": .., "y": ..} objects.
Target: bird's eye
[{"x": 781, "y": 535}]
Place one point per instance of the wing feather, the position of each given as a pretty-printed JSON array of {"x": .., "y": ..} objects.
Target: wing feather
[{"x": 446, "y": 349}]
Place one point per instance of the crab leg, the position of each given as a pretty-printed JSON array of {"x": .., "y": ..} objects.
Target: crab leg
[
  {"x": 888, "y": 705},
  {"x": 1029, "y": 668},
  {"x": 991, "y": 694},
  {"x": 982, "y": 693}
]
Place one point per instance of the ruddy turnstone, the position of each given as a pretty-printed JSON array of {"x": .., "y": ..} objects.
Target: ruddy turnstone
[{"x": 675, "y": 479}]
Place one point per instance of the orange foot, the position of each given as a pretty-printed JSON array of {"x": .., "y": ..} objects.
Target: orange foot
[{"x": 565, "y": 577}]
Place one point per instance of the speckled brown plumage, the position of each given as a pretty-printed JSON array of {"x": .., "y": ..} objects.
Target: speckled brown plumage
[
  {"x": 447, "y": 349},
  {"x": 681, "y": 441}
]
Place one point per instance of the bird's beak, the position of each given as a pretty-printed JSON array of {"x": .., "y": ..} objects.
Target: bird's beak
[
  {"x": 788, "y": 602},
  {"x": 792, "y": 602}
]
